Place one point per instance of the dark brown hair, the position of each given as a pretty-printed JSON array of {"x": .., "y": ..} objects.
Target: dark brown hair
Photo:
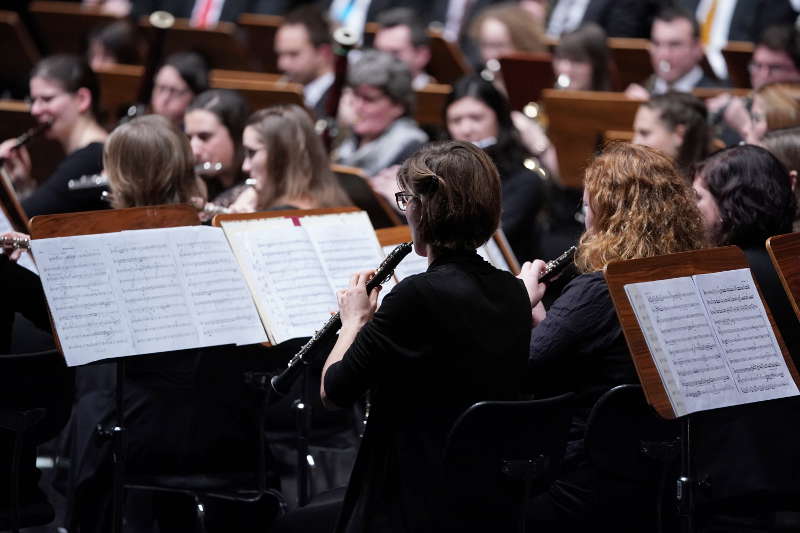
[
  {"x": 457, "y": 188},
  {"x": 587, "y": 44},
  {"x": 71, "y": 72},
  {"x": 684, "y": 109}
]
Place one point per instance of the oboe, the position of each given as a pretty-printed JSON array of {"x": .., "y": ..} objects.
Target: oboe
[
  {"x": 15, "y": 243},
  {"x": 283, "y": 381},
  {"x": 28, "y": 136},
  {"x": 554, "y": 267}
]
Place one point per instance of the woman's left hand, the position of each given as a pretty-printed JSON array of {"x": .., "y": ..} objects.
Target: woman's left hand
[
  {"x": 530, "y": 273},
  {"x": 356, "y": 307}
]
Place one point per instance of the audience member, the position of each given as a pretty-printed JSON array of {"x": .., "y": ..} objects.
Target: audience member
[
  {"x": 775, "y": 106},
  {"x": 305, "y": 55},
  {"x": 676, "y": 124},
  {"x": 581, "y": 60},
  {"x": 403, "y": 35},
  {"x": 183, "y": 76},
  {"x": 676, "y": 55},
  {"x": 504, "y": 29}
]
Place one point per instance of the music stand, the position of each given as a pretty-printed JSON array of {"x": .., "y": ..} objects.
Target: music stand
[
  {"x": 526, "y": 75},
  {"x": 91, "y": 222},
  {"x": 355, "y": 183},
  {"x": 784, "y": 250},
  {"x": 261, "y": 30},
  {"x": 618, "y": 275},
  {"x": 737, "y": 56},
  {"x": 429, "y": 104},
  {"x": 16, "y": 38}
]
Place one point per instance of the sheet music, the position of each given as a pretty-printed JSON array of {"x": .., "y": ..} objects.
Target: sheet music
[
  {"x": 25, "y": 260},
  {"x": 745, "y": 335},
  {"x": 689, "y": 325},
  {"x": 492, "y": 253},
  {"x": 290, "y": 286},
  {"x": 136, "y": 292}
]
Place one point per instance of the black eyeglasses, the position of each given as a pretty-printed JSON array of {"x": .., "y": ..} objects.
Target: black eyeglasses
[{"x": 402, "y": 199}]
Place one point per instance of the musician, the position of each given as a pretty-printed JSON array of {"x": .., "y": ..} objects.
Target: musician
[
  {"x": 438, "y": 343},
  {"x": 677, "y": 124},
  {"x": 405, "y": 36},
  {"x": 381, "y": 100},
  {"x": 637, "y": 205},
  {"x": 582, "y": 56},
  {"x": 64, "y": 93},
  {"x": 113, "y": 44},
  {"x": 288, "y": 162},
  {"x": 745, "y": 196},
  {"x": 775, "y": 106},
  {"x": 477, "y": 112},
  {"x": 214, "y": 123},
  {"x": 183, "y": 76},
  {"x": 784, "y": 144}
]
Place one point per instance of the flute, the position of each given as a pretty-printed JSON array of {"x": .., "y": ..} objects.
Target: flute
[
  {"x": 15, "y": 243},
  {"x": 28, "y": 136}
]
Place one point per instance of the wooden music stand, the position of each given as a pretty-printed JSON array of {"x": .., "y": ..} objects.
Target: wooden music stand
[
  {"x": 393, "y": 236},
  {"x": 119, "y": 88},
  {"x": 91, "y": 222},
  {"x": 618, "y": 275},
  {"x": 15, "y": 118},
  {"x": 355, "y": 183},
  {"x": 526, "y": 75},
  {"x": 16, "y": 38},
  {"x": 577, "y": 122},
  {"x": 66, "y": 26},
  {"x": 429, "y": 104},
  {"x": 260, "y": 93},
  {"x": 784, "y": 250},
  {"x": 447, "y": 62},
  {"x": 737, "y": 56},
  {"x": 221, "y": 45},
  {"x": 631, "y": 58},
  {"x": 261, "y": 30}
]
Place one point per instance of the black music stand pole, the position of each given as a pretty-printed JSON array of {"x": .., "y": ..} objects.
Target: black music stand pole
[
  {"x": 302, "y": 408},
  {"x": 685, "y": 485},
  {"x": 116, "y": 432}
]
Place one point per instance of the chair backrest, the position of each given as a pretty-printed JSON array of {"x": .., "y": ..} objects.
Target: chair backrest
[
  {"x": 624, "y": 435},
  {"x": 495, "y": 447}
]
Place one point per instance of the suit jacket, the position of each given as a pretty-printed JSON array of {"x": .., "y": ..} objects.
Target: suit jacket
[
  {"x": 751, "y": 17},
  {"x": 705, "y": 82},
  {"x": 621, "y": 18}
]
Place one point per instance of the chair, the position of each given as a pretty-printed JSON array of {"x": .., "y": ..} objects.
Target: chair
[
  {"x": 498, "y": 454},
  {"x": 35, "y": 400},
  {"x": 626, "y": 439}
]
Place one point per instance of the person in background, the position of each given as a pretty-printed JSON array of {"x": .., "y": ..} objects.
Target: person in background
[
  {"x": 581, "y": 60},
  {"x": 183, "y": 76},
  {"x": 214, "y": 123},
  {"x": 676, "y": 55},
  {"x": 784, "y": 144},
  {"x": 775, "y": 106},
  {"x": 113, "y": 44},
  {"x": 65, "y": 94},
  {"x": 637, "y": 205},
  {"x": 286, "y": 158},
  {"x": 676, "y": 124},
  {"x": 381, "y": 101},
  {"x": 476, "y": 112},
  {"x": 305, "y": 55},
  {"x": 618, "y": 18},
  {"x": 403, "y": 35}
]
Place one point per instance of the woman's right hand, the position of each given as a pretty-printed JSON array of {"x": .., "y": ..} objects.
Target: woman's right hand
[
  {"x": 14, "y": 253},
  {"x": 17, "y": 161},
  {"x": 530, "y": 273}
]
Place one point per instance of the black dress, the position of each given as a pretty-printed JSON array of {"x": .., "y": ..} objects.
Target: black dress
[
  {"x": 53, "y": 196},
  {"x": 441, "y": 341},
  {"x": 580, "y": 347}
]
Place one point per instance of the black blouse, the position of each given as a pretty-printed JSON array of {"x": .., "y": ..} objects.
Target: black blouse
[{"x": 441, "y": 341}]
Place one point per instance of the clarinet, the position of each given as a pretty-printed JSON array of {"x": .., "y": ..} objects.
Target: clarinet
[
  {"x": 15, "y": 243},
  {"x": 282, "y": 382},
  {"x": 28, "y": 136},
  {"x": 554, "y": 267}
]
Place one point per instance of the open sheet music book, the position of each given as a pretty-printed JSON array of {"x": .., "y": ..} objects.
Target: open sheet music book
[
  {"x": 711, "y": 340},
  {"x": 155, "y": 290}
]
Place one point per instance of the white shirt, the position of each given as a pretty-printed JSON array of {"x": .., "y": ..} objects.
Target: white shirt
[
  {"x": 566, "y": 16},
  {"x": 313, "y": 92},
  {"x": 351, "y": 14},
  {"x": 720, "y": 28},
  {"x": 213, "y": 13},
  {"x": 683, "y": 85}
]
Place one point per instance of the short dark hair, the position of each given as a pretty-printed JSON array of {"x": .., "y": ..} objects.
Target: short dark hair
[
  {"x": 312, "y": 18},
  {"x": 192, "y": 68},
  {"x": 71, "y": 72},
  {"x": 677, "y": 108},
  {"x": 670, "y": 14},
  {"x": 121, "y": 39},
  {"x": 231, "y": 110},
  {"x": 753, "y": 192},
  {"x": 782, "y": 38},
  {"x": 458, "y": 190},
  {"x": 403, "y": 16},
  {"x": 587, "y": 44},
  {"x": 508, "y": 153}
]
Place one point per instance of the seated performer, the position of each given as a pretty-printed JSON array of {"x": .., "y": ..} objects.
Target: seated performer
[
  {"x": 637, "y": 205},
  {"x": 64, "y": 94},
  {"x": 441, "y": 341},
  {"x": 286, "y": 158}
]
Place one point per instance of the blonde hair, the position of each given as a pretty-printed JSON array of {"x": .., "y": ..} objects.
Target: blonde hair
[
  {"x": 297, "y": 164},
  {"x": 525, "y": 30},
  {"x": 641, "y": 207},
  {"x": 781, "y": 104},
  {"x": 148, "y": 161}
]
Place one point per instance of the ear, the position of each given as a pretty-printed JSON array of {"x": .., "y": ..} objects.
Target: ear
[
  {"x": 84, "y": 97},
  {"x": 679, "y": 133},
  {"x": 423, "y": 54}
]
